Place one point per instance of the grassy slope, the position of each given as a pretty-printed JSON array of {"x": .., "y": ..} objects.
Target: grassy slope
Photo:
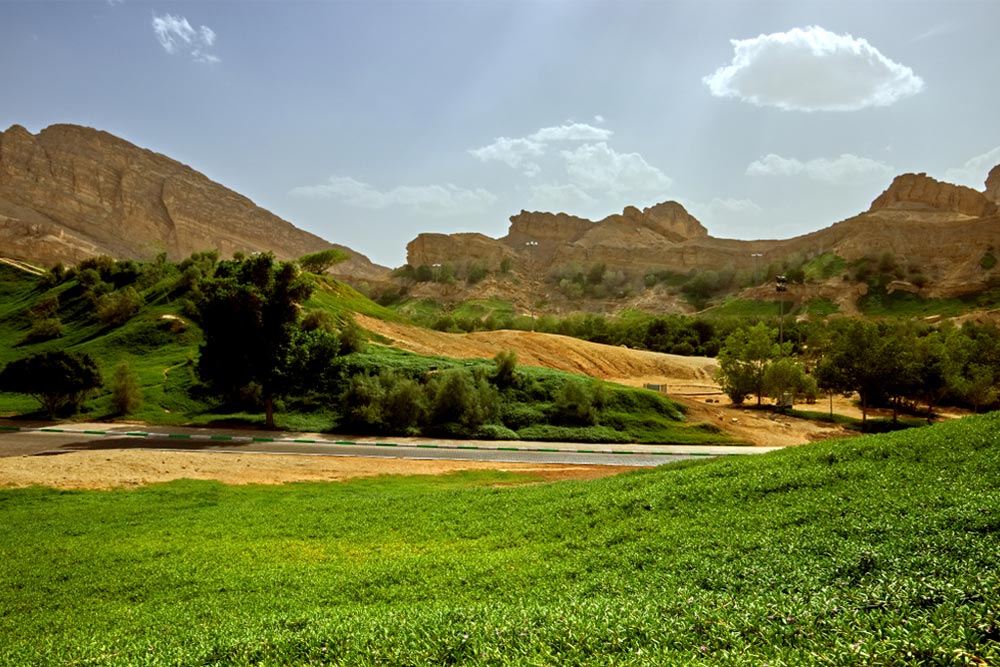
[
  {"x": 880, "y": 550},
  {"x": 160, "y": 345}
]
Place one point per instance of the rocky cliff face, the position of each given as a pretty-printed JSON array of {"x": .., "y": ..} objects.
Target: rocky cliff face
[
  {"x": 993, "y": 185},
  {"x": 921, "y": 192},
  {"x": 71, "y": 192},
  {"x": 939, "y": 230},
  {"x": 460, "y": 250}
]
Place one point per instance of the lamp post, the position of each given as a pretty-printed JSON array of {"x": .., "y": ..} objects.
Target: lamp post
[
  {"x": 756, "y": 272},
  {"x": 781, "y": 285},
  {"x": 531, "y": 246}
]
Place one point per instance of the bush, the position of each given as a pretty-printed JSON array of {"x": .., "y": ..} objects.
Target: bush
[
  {"x": 46, "y": 329},
  {"x": 577, "y": 403},
  {"x": 462, "y": 402},
  {"x": 520, "y": 415},
  {"x": 116, "y": 308},
  {"x": 126, "y": 395}
]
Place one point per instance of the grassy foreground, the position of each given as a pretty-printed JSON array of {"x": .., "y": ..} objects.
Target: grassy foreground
[{"x": 881, "y": 550}]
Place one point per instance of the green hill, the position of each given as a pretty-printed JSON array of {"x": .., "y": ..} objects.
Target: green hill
[
  {"x": 880, "y": 550},
  {"x": 144, "y": 315}
]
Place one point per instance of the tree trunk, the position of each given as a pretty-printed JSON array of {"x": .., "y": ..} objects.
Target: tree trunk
[{"x": 269, "y": 411}]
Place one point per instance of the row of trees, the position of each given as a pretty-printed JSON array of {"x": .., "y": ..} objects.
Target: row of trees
[
  {"x": 62, "y": 380},
  {"x": 883, "y": 363}
]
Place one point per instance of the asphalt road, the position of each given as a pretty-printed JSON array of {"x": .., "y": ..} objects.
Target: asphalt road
[{"x": 63, "y": 438}]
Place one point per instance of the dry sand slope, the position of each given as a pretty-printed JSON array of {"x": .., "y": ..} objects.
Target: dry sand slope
[{"x": 689, "y": 380}]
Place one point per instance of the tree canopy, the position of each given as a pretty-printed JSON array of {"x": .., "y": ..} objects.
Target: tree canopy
[
  {"x": 249, "y": 312},
  {"x": 59, "y": 380}
]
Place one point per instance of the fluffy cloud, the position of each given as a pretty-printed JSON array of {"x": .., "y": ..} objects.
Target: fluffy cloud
[
  {"x": 973, "y": 173},
  {"x": 574, "y": 132},
  {"x": 518, "y": 153},
  {"x": 846, "y": 169},
  {"x": 444, "y": 199},
  {"x": 512, "y": 152},
  {"x": 600, "y": 168},
  {"x": 176, "y": 35},
  {"x": 812, "y": 69}
]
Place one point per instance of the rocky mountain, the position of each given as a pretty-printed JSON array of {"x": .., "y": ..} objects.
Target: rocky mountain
[
  {"x": 943, "y": 232},
  {"x": 71, "y": 192}
]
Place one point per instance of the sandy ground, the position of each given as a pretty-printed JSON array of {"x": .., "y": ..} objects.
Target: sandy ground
[
  {"x": 688, "y": 380},
  {"x": 110, "y": 469}
]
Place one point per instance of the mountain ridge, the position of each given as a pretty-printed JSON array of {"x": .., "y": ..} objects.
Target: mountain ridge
[{"x": 71, "y": 192}]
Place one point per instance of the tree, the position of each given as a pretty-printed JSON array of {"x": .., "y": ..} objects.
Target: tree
[
  {"x": 870, "y": 359},
  {"x": 743, "y": 361},
  {"x": 249, "y": 313},
  {"x": 787, "y": 378},
  {"x": 126, "y": 394},
  {"x": 59, "y": 380},
  {"x": 319, "y": 262}
]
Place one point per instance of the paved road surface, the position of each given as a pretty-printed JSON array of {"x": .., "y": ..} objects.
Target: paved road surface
[{"x": 19, "y": 439}]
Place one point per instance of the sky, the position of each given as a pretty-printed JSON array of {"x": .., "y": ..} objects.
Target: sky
[{"x": 368, "y": 122}]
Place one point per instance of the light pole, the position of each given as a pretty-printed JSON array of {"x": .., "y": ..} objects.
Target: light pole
[
  {"x": 756, "y": 272},
  {"x": 531, "y": 246},
  {"x": 781, "y": 285}
]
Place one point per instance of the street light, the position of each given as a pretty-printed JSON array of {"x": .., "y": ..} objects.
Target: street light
[
  {"x": 781, "y": 285},
  {"x": 756, "y": 256},
  {"x": 531, "y": 245}
]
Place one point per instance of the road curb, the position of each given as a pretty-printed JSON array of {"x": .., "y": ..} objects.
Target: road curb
[{"x": 349, "y": 443}]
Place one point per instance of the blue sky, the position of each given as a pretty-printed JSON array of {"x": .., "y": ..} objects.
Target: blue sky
[{"x": 369, "y": 122}]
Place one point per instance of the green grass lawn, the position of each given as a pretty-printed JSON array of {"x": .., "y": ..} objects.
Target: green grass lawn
[{"x": 880, "y": 550}]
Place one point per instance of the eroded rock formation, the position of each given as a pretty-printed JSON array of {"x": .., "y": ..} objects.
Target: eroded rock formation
[
  {"x": 921, "y": 192},
  {"x": 993, "y": 185},
  {"x": 71, "y": 192}
]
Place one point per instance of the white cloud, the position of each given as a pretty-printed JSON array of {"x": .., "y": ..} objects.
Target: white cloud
[
  {"x": 812, "y": 69},
  {"x": 596, "y": 167},
  {"x": 512, "y": 152},
  {"x": 517, "y": 153},
  {"x": 973, "y": 173},
  {"x": 574, "y": 132},
  {"x": 176, "y": 35},
  {"x": 444, "y": 199},
  {"x": 844, "y": 170},
  {"x": 598, "y": 118}
]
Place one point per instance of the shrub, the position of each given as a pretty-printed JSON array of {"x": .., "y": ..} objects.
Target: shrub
[
  {"x": 126, "y": 395},
  {"x": 45, "y": 329},
  {"x": 476, "y": 273},
  {"x": 505, "y": 373},
  {"x": 577, "y": 403},
  {"x": 116, "y": 308},
  {"x": 462, "y": 402}
]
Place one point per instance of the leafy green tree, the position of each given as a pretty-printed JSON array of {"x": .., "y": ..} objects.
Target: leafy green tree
[
  {"x": 871, "y": 359},
  {"x": 743, "y": 361},
  {"x": 59, "y": 380},
  {"x": 249, "y": 312},
  {"x": 319, "y": 262},
  {"x": 786, "y": 378}
]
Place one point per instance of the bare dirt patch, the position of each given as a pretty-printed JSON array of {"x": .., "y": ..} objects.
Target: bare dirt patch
[
  {"x": 109, "y": 469},
  {"x": 688, "y": 380}
]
